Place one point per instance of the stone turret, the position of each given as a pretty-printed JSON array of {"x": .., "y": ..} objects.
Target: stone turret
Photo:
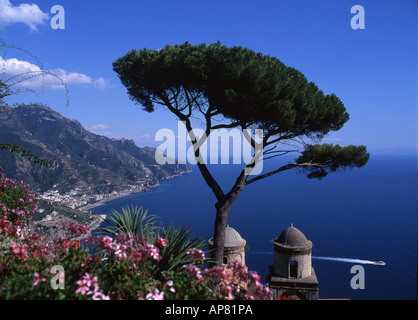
[
  {"x": 292, "y": 273},
  {"x": 234, "y": 246}
]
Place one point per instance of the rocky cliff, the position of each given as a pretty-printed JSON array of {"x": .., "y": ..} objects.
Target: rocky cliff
[{"x": 92, "y": 163}]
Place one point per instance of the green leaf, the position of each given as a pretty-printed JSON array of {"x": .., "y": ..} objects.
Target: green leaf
[
  {"x": 318, "y": 160},
  {"x": 132, "y": 220}
]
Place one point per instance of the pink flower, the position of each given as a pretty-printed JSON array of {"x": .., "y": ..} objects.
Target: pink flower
[
  {"x": 95, "y": 285},
  {"x": 105, "y": 242},
  {"x": 256, "y": 289},
  {"x": 156, "y": 295},
  {"x": 125, "y": 239},
  {"x": 100, "y": 296},
  {"x": 193, "y": 271},
  {"x": 152, "y": 251},
  {"x": 229, "y": 292},
  {"x": 217, "y": 274},
  {"x": 75, "y": 229},
  {"x": 83, "y": 287},
  {"x": 196, "y": 255},
  {"x": 254, "y": 278},
  {"x": 38, "y": 278},
  {"x": 238, "y": 269},
  {"x": 169, "y": 284},
  {"x": 120, "y": 251},
  {"x": 18, "y": 251},
  {"x": 21, "y": 200},
  {"x": 160, "y": 242}
]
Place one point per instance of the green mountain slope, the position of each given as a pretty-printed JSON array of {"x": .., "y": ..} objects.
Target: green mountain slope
[{"x": 92, "y": 163}]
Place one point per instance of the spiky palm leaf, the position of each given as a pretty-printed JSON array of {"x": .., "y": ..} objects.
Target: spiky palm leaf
[
  {"x": 136, "y": 221},
  {"x": 179, "y": 241},
  {"x": 132, "y": 220}
]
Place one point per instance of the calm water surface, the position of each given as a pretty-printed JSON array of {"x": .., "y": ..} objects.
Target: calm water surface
[{"x": 366, "y": 214}]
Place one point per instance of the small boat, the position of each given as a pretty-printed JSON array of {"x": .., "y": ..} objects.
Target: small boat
[{"x": 380, "y": 263}]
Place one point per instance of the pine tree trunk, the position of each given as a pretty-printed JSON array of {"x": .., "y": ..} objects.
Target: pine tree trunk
[{"x": 222, "y": 211}]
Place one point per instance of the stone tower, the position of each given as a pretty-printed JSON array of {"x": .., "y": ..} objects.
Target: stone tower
[
  {"x": 234, "y": 246},
  {"x": 292, "y": 274}
]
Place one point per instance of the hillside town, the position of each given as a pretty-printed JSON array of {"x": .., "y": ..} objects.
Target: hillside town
[{"x": 79, "y": 199}]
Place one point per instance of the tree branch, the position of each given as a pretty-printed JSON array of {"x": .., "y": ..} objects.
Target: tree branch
[
  {"x": 284, "y": 168},
  {"x": 226, "y": 126},
  {"x": 210, "y": 181}
]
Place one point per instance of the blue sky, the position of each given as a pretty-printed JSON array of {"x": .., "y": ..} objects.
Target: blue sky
[{"x": 372, "y": 70}]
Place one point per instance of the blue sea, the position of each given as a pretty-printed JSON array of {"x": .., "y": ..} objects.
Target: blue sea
[{"x": 353, "y": 217}]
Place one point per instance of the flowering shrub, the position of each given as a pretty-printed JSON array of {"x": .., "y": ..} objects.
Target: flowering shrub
[
  {"x": 103, "y": 267},
  {"x": 17, "y": 203},
  {"x": 113, "y": 266}
]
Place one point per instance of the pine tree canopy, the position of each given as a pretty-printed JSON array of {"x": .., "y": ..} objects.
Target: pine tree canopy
[{"x": 245, "y": 88}]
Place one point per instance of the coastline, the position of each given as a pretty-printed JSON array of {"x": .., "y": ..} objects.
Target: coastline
[
  {"x": 96, "y": 223},
  {"x": 102, "y": 202}
]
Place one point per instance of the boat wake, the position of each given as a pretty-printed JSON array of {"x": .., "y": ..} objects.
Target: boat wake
[
  {"x": 337, "y": 259},
  {"x": 351, "y": 260}
]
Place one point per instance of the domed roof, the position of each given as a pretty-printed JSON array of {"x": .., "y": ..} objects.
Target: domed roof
[
  {"x": 293, "y": 237},
  {"x": 233, "y": 238}
]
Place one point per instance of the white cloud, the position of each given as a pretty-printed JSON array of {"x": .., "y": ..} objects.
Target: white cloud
[
  {"x": 27, "y": 75},
  {"x": 99, "y": 126},
  {"x": 145, "y": 136},
  {"x": 101, "y": 83},
  {"x": 101, "y": 130},
  {"x": 29, "y": 14}
]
